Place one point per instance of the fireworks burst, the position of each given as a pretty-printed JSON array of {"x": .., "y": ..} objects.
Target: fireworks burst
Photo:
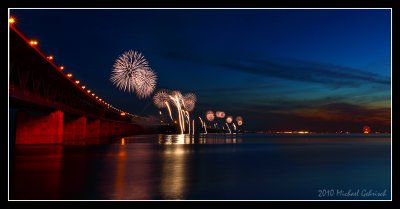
[
  {"x": 160, "y": 99},
  {"x": 220, "y": 114},
  {"x": 183, "y": 105},
  {"x": 229, "y": 119},
  {"x": 210, "y": 115},
  {"x": 132, "y": 73},
  {"x": 190, "y": 100}
]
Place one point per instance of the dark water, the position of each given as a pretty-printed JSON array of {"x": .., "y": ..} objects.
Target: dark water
[{"x": 242, "y": 167}]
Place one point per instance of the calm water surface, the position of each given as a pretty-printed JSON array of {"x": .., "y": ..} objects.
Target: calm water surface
[{"x": 214, "y": 167}]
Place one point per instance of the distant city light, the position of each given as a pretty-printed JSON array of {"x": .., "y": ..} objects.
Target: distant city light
[
  {"x": 88, "y": 91},
  {"x": 50, "y": 57},
  {"x": 122, "y": 114},
  {"x": 61, "y": 67},
  {"x": 83, "y": 87},
  {"x": 77, "y": 81},
  {"x": 69, "y": 75},
  {"x": 366, "y": 130}
]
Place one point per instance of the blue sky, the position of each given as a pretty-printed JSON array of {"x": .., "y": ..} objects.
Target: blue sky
[{"x": 279, "y": 69}]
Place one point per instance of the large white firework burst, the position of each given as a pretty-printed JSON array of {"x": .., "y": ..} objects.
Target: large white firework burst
[
  {"x": 161, "y": 98},
  {"x": 132, "y": 73}
]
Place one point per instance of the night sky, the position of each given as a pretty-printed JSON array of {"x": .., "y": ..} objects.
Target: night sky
[{"x": 317, "y": 70}]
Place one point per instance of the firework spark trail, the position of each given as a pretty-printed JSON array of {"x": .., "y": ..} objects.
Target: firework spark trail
[
  {"x": 228, "y": 128},
  {"x": 201, "y": 122},
  {"x": 203, "y": 125},
  {"x": 234, "y": 126},
  {"x": 132, "y": 73},
  {"x": 169, "y": 110},
  {"x": 188, "y": 119},
  {"x": 176, "y": 102},
  {"x": 193, "y": 127},
  {"x": 182, "y": 119}
]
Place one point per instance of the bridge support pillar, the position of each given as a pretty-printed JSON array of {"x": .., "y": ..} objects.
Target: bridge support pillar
[
  {"x": 75, "y": 129},
  {"x": 39, "y": 129},
  {"x": 105, "y": 128},
  {"x": 93, "y": 129}
]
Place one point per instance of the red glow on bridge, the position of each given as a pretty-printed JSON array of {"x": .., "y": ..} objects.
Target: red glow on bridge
[{"x": 50, "y": 59}]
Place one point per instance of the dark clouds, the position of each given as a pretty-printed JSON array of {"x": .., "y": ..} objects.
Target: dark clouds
[{"x": 289, "y": 69}]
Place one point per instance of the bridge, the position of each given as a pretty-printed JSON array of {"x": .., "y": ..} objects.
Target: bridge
[{"x": 51, "y": 106}]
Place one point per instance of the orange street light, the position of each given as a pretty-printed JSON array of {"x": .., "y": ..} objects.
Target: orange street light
[
  {"x": 11, "y": 20},
  {"x": 33, "y": 42}
]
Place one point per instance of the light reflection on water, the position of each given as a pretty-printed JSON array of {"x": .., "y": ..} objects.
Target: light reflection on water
[
  {"x": 188, "y": 139},
  {"x": 212, "y": 166},
  {"x": 173, "y": 178}
]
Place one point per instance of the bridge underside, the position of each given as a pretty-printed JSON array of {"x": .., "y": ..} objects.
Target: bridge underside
[{"x": 57, "y": 128}]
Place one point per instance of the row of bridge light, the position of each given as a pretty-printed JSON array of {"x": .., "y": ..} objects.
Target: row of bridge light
[{"x": 50, "y": 58}]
